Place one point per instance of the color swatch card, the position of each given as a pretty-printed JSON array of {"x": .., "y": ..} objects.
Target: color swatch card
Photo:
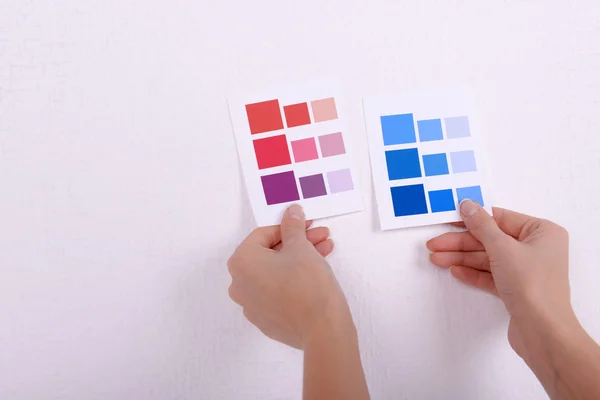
[
  {"x": 294, "y": 148},
  {"x": 424, "y": 158}
]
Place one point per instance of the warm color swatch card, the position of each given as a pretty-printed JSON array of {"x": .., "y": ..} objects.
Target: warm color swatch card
[
  {"x": 424, "y": 158},
  {"x": 294, "y": 148}
]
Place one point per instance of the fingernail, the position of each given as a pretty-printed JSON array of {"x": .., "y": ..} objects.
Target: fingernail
[
  {"x": 295, "y": 212},
  {"x": 468, "y": 208}
]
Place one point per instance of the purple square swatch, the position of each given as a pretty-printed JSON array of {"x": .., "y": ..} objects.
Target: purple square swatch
[
  {"x": 313, "y": 186},
  {"x": 332, "y": 145},
  {"x": 340, "y": 181},
  {"x": 280, "y": 188}
]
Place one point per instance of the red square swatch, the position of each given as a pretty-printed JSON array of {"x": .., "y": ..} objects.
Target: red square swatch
[
  {"x": 296, "y": 115},
  {"x": 264, "y": 116},
  {"x": 272, "y": 152}
]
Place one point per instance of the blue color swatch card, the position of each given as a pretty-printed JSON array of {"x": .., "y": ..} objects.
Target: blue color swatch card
[{"x": 424, "y": 158}]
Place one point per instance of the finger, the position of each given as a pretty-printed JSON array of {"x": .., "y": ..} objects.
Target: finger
[
  {"x": 511, "y": 222},
  {"x": 458, "y": 224},
  {"x": 268, "y": 236},
  {"x": 235, "y": 293},
  {"x": 314, "y": 236},
  {"x": 472, "y": 277},
  {"x": 455, "y": 241},
  {"x": 293, "y": 225},
  {"x": 480, "y": 224},
  {"x": 325, "y": 248},
  {"x": 475, "y": 259}
]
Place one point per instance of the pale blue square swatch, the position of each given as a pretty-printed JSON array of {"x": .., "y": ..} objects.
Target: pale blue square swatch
[
  {"x": 457, "y": 127},
  {"x": 463, "y": 161}
]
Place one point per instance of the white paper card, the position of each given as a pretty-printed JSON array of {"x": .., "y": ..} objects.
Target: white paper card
[
  {"x": 424, "y": 158},
  {"x": 294, "y": 147}
]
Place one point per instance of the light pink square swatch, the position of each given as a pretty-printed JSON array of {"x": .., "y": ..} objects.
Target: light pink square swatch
[
  {"x": 305, "y": 150},
  {"x": 324, "y": 109},
  {"x": 332, "y": 145}
]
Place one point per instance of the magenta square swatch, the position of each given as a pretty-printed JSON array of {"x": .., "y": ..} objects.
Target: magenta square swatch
[
  {"x": 340, "y": 181},
  {"x": 280, "y": 188},
  {"x": 313, "y": 186},
  {"x": 305, "y": 150},
  {"x": 332, "y": 145}
]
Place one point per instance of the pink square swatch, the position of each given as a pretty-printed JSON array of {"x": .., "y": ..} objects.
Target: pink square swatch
[
  {"x": 305, "y": 150},
  {"x": 332, "y": 145}
]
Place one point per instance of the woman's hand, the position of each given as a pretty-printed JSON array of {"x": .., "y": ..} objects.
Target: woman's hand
[
  {"x": 522, "y": 259},
  {"x": 525, "y": 261},
  {"x": 281, "y": 279}
]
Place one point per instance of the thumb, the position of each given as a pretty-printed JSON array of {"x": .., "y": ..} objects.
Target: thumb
[
  {"x": 479, "y": 223},
  {"x": 293, "y": 225}
]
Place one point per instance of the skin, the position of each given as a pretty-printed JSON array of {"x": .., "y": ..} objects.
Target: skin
[{"x": 288, "y": 290}]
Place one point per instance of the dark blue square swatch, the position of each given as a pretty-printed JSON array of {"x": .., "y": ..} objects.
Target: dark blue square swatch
[
  {"x": 409, "y": 200},
  {"x": 471, "y": 193},
  {"x": 442, "y": 200},
  {"x": 435, "y": 164},
  {"x": 430, "y": 130},
  {"x": 398, "y": 129},
  {"x": 403, "y": 164}
]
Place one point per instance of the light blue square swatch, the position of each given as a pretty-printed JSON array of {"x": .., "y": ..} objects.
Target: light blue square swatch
[
  {"x": 457, "y": 127},
  {"x": 435, "y": 164},
  {"x": 430, "y": 130},
  {"x": 398, "y": 129},
  {"x": 471, "y": 193},
  {"x": 463, "y": 161}
]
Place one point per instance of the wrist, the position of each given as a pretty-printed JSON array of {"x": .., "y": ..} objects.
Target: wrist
[
  {"x": 334, "y": 323},
  {"x": 537, "y": 334}
]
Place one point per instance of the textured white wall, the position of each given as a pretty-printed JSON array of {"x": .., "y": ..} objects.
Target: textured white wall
[{"x": 121, "y": 197}]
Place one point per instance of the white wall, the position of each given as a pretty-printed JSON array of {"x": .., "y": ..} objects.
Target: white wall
[{"x": 121, "y": 197}]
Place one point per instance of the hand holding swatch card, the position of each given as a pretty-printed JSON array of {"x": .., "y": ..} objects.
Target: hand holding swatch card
[
  {"x": 424, "y": 158},
  {"x": 294, "y": 147}
]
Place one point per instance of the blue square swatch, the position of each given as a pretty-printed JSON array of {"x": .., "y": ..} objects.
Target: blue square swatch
[
  {"x": 398, "y": 129},
  {"x": 435, "y": 164},
  {"x": 442, "y": 200},
  {"x": 403, "y": 164},
  {"x": 457, "y": 127},
  {"x": 463, "y": 161},
  {"x": 430, "y": 130},
  {"x": 409, "y": 200},
  {"x": 471, "y": 193}
]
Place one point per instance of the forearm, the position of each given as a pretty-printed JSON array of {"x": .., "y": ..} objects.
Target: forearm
[
  {"x": 566, "y": 360},
  {"x": 332, "y": 365}
]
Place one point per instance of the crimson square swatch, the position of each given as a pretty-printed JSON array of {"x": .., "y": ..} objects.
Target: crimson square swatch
[
  {"x": 280, "y": 188},
  {"x": 264, "y": 116},
  {"x": 313, "y": 186},
  {"x": 272, "y": 152},
  {"x": 296, "y": 115}
]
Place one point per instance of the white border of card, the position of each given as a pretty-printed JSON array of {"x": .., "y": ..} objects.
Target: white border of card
[
  {"x": 317, "y": 207},
  {"x": 424, "y": 106}
]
